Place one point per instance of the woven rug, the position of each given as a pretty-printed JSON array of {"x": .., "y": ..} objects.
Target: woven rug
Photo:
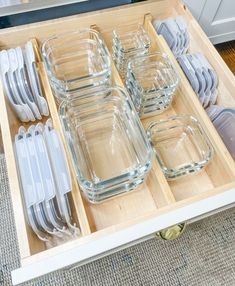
[{"x": 204, "y": 255}]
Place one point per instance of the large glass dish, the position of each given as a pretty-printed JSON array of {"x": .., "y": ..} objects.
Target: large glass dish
[
  {"x": 152, "y": 82},
  {"x": 108, "y": 146},
  {"x": 181, "y": 146},
  {"x": 76, "y": 60}
]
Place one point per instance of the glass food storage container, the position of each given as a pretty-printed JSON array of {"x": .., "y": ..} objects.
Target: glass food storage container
[
  {"x": 108, "y": 146},
  {"x": 128, "y": 41},
  {"x": 75, "y": 61},
  {"x": 152, "y": 81},
  {"x": 181, "y": 146}
]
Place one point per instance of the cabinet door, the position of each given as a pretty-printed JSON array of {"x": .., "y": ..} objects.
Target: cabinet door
[
  {"x": 218, "y": 20},
  {"x": 196, "y": 7}
]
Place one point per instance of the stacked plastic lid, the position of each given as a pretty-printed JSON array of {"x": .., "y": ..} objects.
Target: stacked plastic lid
[
  {"x": 45, "y": 181},
  {"x": 201, "y": 76},
  {"x": 224, "y": 122},
  {"x": 196, "y": 67},
  {"x": 76, "y": 61},
  {"x": 152, "y": 81},
  {"x": 21, "y": 83},
  {"x": 108, "y": 146},
  {"x": 128, "y": 41},
  {"x": 175, "y": 33}
]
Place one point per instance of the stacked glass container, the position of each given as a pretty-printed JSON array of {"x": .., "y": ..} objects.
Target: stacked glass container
[
  {"x": 128, "y": 41},
  {"x": 152, "y": 81},
  {"x": 76, "y": 61},
  {"x": 109, "y": 148}
]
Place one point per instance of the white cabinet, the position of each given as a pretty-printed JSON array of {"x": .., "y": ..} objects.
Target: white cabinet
[
  {"x": 11, "y": 7},
  {"x": 217, "y": 18},
  {"x": 195, "y": 7}
]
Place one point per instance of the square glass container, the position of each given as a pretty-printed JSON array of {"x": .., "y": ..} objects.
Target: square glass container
[
  {"x": 76, "y": 60},
  {"x": 130, "y": 38},
  {"x": 152, "y": 81},
  {"x": 181, "y": 146},
  {"x": 128, "y": 41},
  {"x": 108, "y": 146}
]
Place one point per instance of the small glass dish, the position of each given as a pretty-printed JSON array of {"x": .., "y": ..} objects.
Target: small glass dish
[
  {"x": 108, "y": 146},
  {"x": 131, "y": 38},
  {"x": 181, "y": 146},
  {"x": 152, "y": 81},
  {"x": 129, "y": 41},
  {"x": 76, "y": 60}
]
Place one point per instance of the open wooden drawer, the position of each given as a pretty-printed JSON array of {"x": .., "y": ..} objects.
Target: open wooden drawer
[{"x": 156, "y": 205}]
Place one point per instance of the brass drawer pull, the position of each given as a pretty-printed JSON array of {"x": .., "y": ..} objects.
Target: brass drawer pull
[{"x": 171, "y": 233}]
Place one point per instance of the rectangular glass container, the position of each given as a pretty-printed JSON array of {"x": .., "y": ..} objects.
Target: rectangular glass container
[
  {"x": 76, "y": 60},
  {"x": 181, "y": 146},
  {"x": 108, "y": 146}
]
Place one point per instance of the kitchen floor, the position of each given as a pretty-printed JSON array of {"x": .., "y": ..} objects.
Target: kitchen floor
[{"x": 227, "y": 52}]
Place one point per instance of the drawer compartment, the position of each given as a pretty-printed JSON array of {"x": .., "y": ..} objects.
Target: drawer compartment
[{"x": 156, "y": 204}]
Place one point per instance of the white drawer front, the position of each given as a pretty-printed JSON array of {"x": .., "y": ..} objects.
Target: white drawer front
[{"x": 124, "y": 238}]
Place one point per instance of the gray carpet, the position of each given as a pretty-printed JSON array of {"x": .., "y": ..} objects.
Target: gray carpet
[{"x": 204, "y": 255}]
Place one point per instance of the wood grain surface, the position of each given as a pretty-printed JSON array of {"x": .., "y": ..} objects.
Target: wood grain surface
[{"x": 227, "y": 51}]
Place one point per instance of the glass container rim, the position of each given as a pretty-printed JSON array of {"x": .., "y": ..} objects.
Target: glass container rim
[
  {"x": 132, "y": 60},
  {"x": 170, "y": 173},
  {"x": 122, "y": 178}
]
